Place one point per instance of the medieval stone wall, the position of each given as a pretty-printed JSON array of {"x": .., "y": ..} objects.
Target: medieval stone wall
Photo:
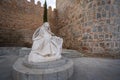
[
  {"x": 92, "y": 26},
  {"x": 18, "y": 20}
]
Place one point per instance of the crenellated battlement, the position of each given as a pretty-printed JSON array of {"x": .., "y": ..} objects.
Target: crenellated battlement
[{"x": 18, "y": 20}]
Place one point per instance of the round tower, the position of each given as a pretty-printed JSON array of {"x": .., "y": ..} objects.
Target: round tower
[
  {"x": 33, "y": 1},
  {"x": 39, "y": 3}
]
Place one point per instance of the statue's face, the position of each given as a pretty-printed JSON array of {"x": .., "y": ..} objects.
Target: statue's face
[{"x": 46, "y": 25}]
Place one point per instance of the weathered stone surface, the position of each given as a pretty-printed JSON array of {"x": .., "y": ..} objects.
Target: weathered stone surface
[
  {"x": 57, "y": 70},
  {"x": 9, "y": 51},
  {"x": 18, "y": 21},
  {"x": 84, "y": 24},
  {"x": 84, "y": 68},
  {"x": 24, "y": 51},
  {"x": 96, "y": 69},
  {"x": 44, "y": 65}
]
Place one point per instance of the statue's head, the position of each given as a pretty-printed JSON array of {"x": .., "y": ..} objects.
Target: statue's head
[{"x": 46, "y": 26}]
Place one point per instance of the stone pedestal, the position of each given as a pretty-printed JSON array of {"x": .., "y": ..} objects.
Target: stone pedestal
[{"x": 61, "y": 69}]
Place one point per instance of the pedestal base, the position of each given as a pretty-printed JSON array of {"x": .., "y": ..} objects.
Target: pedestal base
[{"x": 61, "y": 69}]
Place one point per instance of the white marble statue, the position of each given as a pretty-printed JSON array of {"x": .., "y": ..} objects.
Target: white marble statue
[{"x": 46, "y": 46}]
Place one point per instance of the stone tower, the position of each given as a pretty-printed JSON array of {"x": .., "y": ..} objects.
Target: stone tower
[
  {"x": 33, "y": 1},
  {"x": 39, "y": 3},
  {"x": 93, "y": 25}
]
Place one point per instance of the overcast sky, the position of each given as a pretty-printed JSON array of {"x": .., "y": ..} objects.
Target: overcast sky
[{"x": 51, "y": 3}]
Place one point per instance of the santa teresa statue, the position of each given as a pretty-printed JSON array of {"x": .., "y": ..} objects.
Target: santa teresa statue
[{"x": 46, "y": 46}]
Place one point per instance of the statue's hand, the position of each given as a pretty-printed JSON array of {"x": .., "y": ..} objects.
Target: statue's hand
[
  {"x": 38, "y": 38},
  {"x": 53, "y": 34}
]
